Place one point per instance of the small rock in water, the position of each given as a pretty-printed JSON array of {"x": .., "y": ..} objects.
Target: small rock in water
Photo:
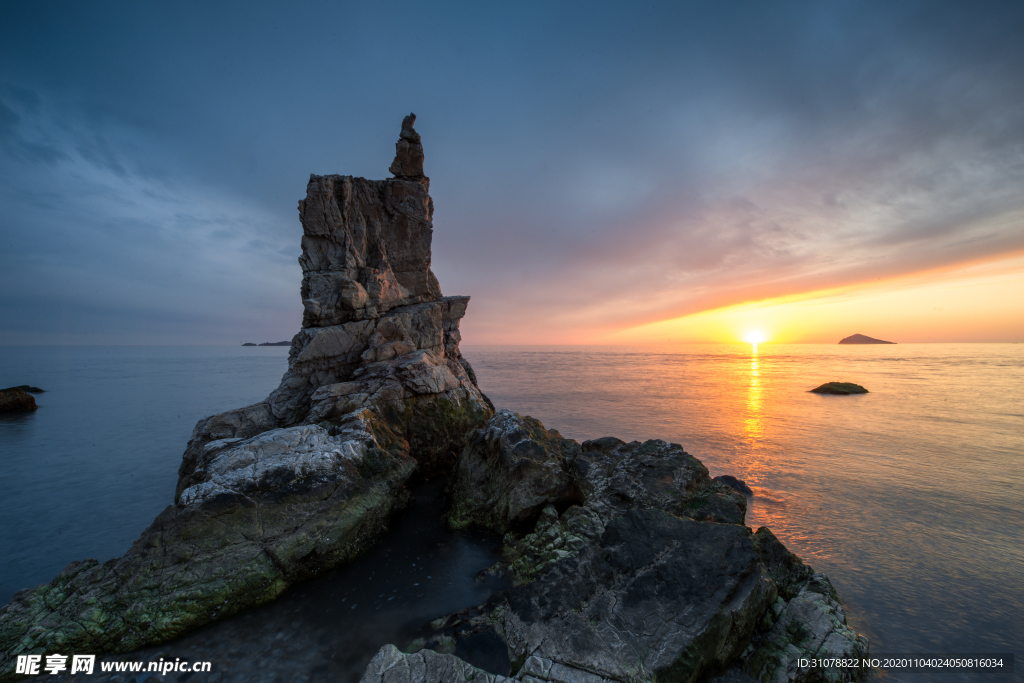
[
  {"x": 16, "y": 400},
  {"x": 840, "y": 388}
]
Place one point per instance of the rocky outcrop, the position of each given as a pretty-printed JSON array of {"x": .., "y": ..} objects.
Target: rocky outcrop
[
  {"x": 280, "y": 507},
  {"x": 839, "y": 389},
  {"x": 862, "y": 339},
  {"x": 509, "y": 472},
  {"x": 646, "y": 574},
  {"x": 269, "y": 494},
  {"x": 376, "y": 332},
  {"x": 17, "y": 400},
  {"x": 659, "y": 597}
]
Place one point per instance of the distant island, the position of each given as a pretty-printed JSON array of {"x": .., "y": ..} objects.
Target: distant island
[
  {"x": 284, "y": 343},
  {"x": 862, "y": 339}
]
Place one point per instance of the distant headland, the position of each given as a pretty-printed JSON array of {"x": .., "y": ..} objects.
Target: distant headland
[
  {"x": 863, "y": 339},
  {"x": 284, "y": 343}
]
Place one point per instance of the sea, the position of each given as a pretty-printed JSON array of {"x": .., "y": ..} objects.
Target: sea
[{"x": 907, "y": 497}]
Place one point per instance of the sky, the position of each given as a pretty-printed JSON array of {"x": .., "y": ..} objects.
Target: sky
[{"x": 601, "y": 172}]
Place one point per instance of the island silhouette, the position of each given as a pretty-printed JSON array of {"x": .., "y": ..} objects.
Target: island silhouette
[{"x": 863, "y": 339}]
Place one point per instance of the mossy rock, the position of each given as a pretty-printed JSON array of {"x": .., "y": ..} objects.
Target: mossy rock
[{"x": 840, "y": 389}]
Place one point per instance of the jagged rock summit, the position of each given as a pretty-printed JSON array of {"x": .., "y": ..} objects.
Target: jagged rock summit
[
  {"x": 862, "y": 339},
  {"x": 376, "y": 390},
  {"x": 408, "y": 163}
]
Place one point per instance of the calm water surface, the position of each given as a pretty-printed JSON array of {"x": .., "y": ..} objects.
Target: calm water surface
[{"x": 908, "y": 497}]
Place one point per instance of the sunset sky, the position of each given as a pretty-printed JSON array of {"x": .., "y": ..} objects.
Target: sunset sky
[{"x": 601, "y": 172}]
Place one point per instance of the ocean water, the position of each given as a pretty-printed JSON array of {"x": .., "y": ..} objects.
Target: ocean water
[{"x": 907, "y": 497}]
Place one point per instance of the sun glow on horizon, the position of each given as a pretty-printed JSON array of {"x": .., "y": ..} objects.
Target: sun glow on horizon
[
  {"x": 755, "y": 337},
  {"x": 979, "y": 302}
]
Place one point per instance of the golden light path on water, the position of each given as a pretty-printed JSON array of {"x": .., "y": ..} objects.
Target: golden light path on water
[{"x": 769, "y": 507}]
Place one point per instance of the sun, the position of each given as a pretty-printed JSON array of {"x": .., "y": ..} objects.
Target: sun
[{"x": 755, "y": 336}]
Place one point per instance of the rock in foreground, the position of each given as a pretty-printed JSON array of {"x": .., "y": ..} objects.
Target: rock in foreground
[
  {"x": 840, "y": 388},
  {"x": 639, "y": 570}
]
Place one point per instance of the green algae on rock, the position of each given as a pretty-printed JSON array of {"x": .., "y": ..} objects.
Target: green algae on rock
[{"x": 840, "y": 388}]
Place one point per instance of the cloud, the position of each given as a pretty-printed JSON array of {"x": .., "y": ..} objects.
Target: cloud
[
  {"x": 593, "y": 167},
  {"x": 87, "y": 233}
]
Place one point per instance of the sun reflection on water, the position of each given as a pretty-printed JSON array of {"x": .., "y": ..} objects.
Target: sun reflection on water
[{"x": 753, "y": 426}]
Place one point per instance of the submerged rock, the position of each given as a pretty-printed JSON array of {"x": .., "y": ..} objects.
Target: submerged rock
[
  {"x": 840, "y": 388},
  {"x": 17, "y": 400},
  {"x": 278, "y": 491},
  {"x": 29, "y": 388}
]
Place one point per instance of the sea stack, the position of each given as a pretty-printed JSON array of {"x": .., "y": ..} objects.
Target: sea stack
[
  {"x": 275, "y": 492},
  {"x": 862, "y": 339}
]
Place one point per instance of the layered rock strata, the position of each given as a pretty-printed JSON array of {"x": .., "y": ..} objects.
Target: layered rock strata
[
  {"x": 635, "y": 566},
  {"x": 269, "y": 494}
]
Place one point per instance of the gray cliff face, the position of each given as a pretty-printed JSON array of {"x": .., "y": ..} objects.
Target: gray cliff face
[{"x": 275, "y": 492}]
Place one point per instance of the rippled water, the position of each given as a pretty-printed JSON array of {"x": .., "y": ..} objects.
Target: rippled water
[{"x": 908, "y": 497}]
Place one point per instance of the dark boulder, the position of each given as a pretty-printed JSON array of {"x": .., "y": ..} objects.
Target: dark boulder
[
  {"x": 734, "y": 483},
  {"x": 511, "y": 469},
  {"x": 16, "y": 400},
  {"x": 653, "y": 475},
  {"x": 840, "y": 389}
]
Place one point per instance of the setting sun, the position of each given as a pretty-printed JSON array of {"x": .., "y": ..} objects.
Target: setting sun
[{"x": 755, "y": 337}]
